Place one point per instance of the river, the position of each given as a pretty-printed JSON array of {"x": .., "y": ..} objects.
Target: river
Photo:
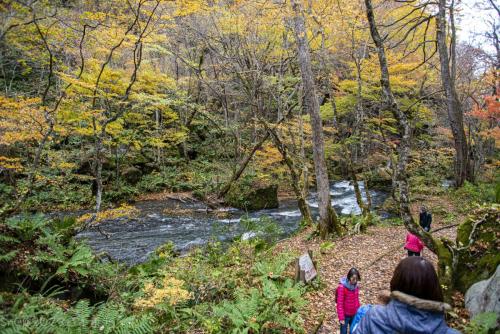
[{"x": 189, "y": 224}]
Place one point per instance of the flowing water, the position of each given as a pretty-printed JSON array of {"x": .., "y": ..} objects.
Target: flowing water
[{"x": 131, "y": 240}]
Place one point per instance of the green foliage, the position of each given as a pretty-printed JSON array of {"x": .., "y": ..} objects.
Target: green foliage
[
  {"x": 478, "y": 257},
  {"x": 396, "y": 221},
  {"x": 120, "y": 191},
  {"x": 428, "y": 169},
  {"x": 197, "y": 176},
  {"x": 238, "y": 194},
  {"x": 345, "y": 106},
  {"x": 275, "y": 267},
  {"x": 41, "y": 315},
  {"x": 153, "y": 182},
  {"x": 476, "y": 193},
  {"x": 44, "y": 251},
  {"x": 265, "y": 230},
  {"x": 326, "y": 246},
  {"x": 221, "y": 282},
  {"x": 271, "y": 308},
  {"x": 161, "y": 258},
  {"x": 58, "y": 192},
  {"x": 483, "y": 323}
]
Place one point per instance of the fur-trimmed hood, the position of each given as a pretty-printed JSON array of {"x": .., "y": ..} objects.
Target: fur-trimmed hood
[
  {"x": 421, "y": 304},
  {"x": 405, "y": 314}
]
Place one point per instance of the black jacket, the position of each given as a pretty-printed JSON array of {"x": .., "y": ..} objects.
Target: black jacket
[{"x": 425, "y": 220}]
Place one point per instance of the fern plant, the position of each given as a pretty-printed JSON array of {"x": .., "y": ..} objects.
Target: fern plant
[
  {"x": 271, "y": 308},
  {"x": 42, "y": 316}
]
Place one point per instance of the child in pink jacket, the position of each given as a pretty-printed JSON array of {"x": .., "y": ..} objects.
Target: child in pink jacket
[
  {"x": 347, "y": 297},
  {"x": 413, "y": 245}
]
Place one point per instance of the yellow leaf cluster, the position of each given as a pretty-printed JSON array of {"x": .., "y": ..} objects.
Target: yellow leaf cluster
[
  {"x": 170, "y": 291},
  {"x": 268, "y": 156},
  {"x": 10, "y": 163},
  {"x": 21, "y": 120},
  {"x": 119, "y": 212}
]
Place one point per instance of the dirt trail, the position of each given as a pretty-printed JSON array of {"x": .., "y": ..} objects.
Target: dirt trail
[{"x": 358, "y": 251}]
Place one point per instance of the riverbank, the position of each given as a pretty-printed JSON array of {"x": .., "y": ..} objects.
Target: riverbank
[
  {"x": 214, "y": 288},
  {"x": 187, "y": 222}
]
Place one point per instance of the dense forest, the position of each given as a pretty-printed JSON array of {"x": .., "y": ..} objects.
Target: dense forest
[{"x": 164, "y": 163}]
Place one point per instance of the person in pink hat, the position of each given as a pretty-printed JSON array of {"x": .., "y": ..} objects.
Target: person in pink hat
[{"x": 413, "y": 245}]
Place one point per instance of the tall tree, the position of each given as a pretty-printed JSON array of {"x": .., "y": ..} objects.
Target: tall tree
[
  {"x": 453, "y": 105},
  {"x": 438, "y": 246},
  {"x": 328, "y": 222}
]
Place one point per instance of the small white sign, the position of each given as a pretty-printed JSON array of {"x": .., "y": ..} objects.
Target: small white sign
[{"x": 306, "y": 264}]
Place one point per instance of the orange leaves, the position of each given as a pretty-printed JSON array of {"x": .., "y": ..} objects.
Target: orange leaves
[
  {"x": 491, "y": 112},
  {"x": 490, "y": 117}
]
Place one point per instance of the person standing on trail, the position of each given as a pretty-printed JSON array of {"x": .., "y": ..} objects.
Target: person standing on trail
[
  {"x": 415, "y": 304},
  {"x": 413, "y": 244},
  {"x": 425, "y": 218},
  {"x": 347, "y": 298}
]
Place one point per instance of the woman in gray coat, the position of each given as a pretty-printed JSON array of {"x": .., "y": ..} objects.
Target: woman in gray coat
[{"x": 415, "y": 304}]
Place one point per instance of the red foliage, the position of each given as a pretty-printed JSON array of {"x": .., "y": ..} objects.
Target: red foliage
[{"x": 491, "y": 112}]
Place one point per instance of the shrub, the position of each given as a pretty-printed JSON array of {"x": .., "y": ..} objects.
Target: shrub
[
  {"x": 43, "y": 253},
  {"x": 42, "y": 315},
  {"x": 483, "y": 323},
  {"x": 272, "y": 307}
]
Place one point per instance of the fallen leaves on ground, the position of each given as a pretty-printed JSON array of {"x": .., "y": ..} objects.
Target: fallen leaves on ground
[{"x": 375, "y": 253}]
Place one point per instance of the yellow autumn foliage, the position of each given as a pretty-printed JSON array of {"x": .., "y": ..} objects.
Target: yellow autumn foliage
[
  {"x": 11, "y": 163},
  {"x": 21, "y": 120},
  {"x": 119, "y": 212},
  {"x": 170, "y": 291}
]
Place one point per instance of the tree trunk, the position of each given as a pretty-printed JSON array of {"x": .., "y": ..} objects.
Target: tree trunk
[
  {"x": 328, "y": 221},
  {"x": 453, "y": 106},
  {"x": 243, "y": 165},
  {"x": 305, "y": 170},
  {"x": 98, "y": 173},
  {"x": 295, "y": 176},
  {"x": 441, "y": 249},
  {"x": 365, "y": 207}
]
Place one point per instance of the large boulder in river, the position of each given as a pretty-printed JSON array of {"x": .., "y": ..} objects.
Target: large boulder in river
[
  {"x": 380, "y": 179},
  {"x": 253, "y": 198},
  {"x": 131, "y": 174},
  {"x": 484, "y": 296}
]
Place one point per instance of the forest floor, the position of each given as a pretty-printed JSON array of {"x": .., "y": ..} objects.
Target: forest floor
[{"x": 375, "y": 253}]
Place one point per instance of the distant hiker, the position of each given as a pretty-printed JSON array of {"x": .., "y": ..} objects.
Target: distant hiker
[
  {"x": 347, "y": 298},
  {"x": 425, "y": 218},
  {"x": 415, "y": 304},
  {"x": 413, "y": 245}
]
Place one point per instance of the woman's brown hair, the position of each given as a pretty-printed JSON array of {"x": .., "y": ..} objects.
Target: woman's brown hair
[{"x": 416, "y": 276}]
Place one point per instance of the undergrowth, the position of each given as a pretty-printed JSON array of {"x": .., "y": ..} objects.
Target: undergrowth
[{"x": 65, "y": 288}]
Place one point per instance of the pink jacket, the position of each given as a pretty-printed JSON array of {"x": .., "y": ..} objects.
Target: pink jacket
[
  {"x": 347, "y": 301},
  {"x": 413, "y": 243}
]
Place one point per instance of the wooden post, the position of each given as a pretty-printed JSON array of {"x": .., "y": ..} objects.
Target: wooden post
[
  {"x": 297, "y": 270},
  {"x": 303, "y": 276}
]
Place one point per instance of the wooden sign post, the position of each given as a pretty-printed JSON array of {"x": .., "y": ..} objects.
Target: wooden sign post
[{"x": 305, "y": 268}]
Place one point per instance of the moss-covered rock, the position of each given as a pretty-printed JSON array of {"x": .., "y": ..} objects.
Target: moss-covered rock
[
  {"x": 380, "y": 179},
  {"x": 391, "y": 206},
  {"x": 479, "y": 261},
  {"x": 253, "y": 198},
  {"x": 131, "y": 174}
]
